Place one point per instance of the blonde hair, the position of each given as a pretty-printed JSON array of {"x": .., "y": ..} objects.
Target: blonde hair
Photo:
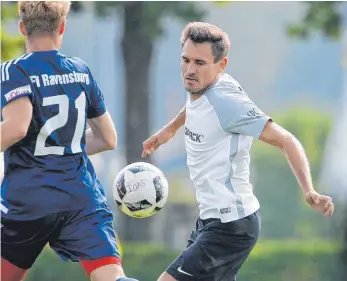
[{"x": 43, "y": 17}]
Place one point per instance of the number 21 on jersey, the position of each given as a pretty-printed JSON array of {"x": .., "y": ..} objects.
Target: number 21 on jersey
[{"x": 59, "y": 121}]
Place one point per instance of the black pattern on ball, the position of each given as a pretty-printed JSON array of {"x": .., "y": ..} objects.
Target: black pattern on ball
[
  {"x": 120, "y": 184},
  {"x": 119, "y": 204},
  {"x": 142, "y": 205},
  {"x": 158, "y": 188},
  {"x": 137, "y": 169}
]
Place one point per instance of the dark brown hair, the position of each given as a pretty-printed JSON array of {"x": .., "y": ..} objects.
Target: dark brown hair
[{"x": 201, "y": 32}]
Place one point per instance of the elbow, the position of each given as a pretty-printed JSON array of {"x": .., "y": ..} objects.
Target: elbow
[
  {"x": 287, "y": 142},
  {"x": 111, "y": 142},
  {"x": 20, "y": 133}
]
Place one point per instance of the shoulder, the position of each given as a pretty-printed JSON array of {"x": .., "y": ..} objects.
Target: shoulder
[
  {"x": 228, "y": 83},
  {"x": 78, "y": 63},
  {"x": 14, "y": 69},
  {"x": 226, "y": 94}
]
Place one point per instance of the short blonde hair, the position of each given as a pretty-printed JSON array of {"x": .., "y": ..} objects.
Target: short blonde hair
[{"x": 43, "y": 17}]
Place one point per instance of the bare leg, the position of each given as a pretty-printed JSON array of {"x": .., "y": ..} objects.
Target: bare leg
[
  {"x": 166, "y": 277},
  {"x": 111, "y": 272},
  {"x": 10, "y": 272}
]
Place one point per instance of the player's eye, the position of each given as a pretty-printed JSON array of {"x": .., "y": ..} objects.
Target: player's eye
[{"x": 199, "y": 62}]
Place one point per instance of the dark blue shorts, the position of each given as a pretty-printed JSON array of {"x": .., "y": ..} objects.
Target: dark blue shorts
[
  {"x": 75, "y": 235},
  {"x": 216, "y": 250}
]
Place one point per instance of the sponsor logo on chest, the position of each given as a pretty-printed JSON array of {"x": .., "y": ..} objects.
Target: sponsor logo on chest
[{"x": 195, "y": 137}]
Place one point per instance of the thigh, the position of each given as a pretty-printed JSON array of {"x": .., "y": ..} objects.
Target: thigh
[
  {"x": 23, "y": 241},
  {"x": 218, "y": 252},
  {"x": 187, "y": 266},
  {"x": 228, "y": 245},
  {"x": 10, "y": 272},
  {"x": 86, "y": 236},
  {"x": 108, "y": 272}
]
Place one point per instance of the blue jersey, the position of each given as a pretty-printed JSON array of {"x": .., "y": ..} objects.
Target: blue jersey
[{"x": 48, "y": 171}]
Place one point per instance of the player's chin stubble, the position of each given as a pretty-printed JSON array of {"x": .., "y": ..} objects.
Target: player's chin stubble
[
  {"x": 196, "y": 91},
  {"x": 193, "y": 91}
]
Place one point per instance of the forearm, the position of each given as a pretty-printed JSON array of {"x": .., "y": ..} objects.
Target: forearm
[
  {"x": 94, "y": 145},
  {"x": 298, "y": 162},
  {"x": 9, "y": 135},
  {"x": 176, "y": 123}
]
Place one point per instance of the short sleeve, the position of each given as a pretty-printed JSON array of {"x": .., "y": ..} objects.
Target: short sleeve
[
  {"x": 14, "y": 83},
  {"x": 97, "y": 105},
  {"x": 238, "y": 114}
]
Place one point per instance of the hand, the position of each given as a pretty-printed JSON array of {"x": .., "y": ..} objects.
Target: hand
[
  {"x": 321, "y": 203},
  {"x": 152, "y": 144}
]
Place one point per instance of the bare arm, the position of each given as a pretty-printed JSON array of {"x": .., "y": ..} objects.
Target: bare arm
[
  {"x": 16, "y": 120},
  {"x": 298, "y": 162},
  {"x": 176, "y": 123},
  {"x": 294, "y": 152},
  {"x": 164, "y": 134},
  {"x": 101, "y": 135}
]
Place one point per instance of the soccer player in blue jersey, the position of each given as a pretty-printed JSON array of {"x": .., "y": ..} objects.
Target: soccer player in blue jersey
[
  {"x": 220, "y": 123},
  {"x": 50, "y": 192}
]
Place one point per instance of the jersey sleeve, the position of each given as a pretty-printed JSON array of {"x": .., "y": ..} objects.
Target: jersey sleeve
[
  {"x": 97, "y": 105},
  {"x": 238, "y": 114},
  {"x": 14, "y": 83}
]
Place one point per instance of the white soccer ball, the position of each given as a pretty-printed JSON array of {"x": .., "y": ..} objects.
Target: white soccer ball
[{"x": 140, "y": 190}]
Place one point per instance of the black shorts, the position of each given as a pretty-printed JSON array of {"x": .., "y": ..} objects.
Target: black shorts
[
  {"x": 216, "y": 250},
  {"x": 75, "y": 236}
]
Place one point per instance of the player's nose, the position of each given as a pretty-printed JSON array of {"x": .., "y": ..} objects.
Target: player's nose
[{"x": 191, "y": 70}]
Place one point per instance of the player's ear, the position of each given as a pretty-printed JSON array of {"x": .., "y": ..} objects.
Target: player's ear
[
  {"x": 22, "y": 28},
  {"x": 223, "y": 63},
  {"x": 62, "y": 27}
]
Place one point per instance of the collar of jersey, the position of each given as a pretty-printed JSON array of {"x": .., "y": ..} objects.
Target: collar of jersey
[
  {"x": 46, "y": 53},
  {"x": 202, "y": 98}
]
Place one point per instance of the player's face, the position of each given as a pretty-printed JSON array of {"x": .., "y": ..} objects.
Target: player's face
[{"x": 198, "y": 67}]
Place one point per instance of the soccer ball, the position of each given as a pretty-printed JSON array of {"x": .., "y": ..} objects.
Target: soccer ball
[{"x": 140, "y": 190}]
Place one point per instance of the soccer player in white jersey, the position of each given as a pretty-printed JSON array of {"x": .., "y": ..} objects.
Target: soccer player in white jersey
[{"x": 220, "y": 123}]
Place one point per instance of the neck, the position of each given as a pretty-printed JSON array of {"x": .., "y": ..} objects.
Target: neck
[
  {"x": 39, "y": 44},
  {"x": 195, "y": 96}
]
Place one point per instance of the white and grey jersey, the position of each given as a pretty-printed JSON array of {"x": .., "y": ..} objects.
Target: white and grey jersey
[{"x": 219, "y": 130}]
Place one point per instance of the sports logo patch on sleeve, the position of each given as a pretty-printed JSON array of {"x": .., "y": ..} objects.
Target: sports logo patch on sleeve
[{"x": 18, "y": 92}]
